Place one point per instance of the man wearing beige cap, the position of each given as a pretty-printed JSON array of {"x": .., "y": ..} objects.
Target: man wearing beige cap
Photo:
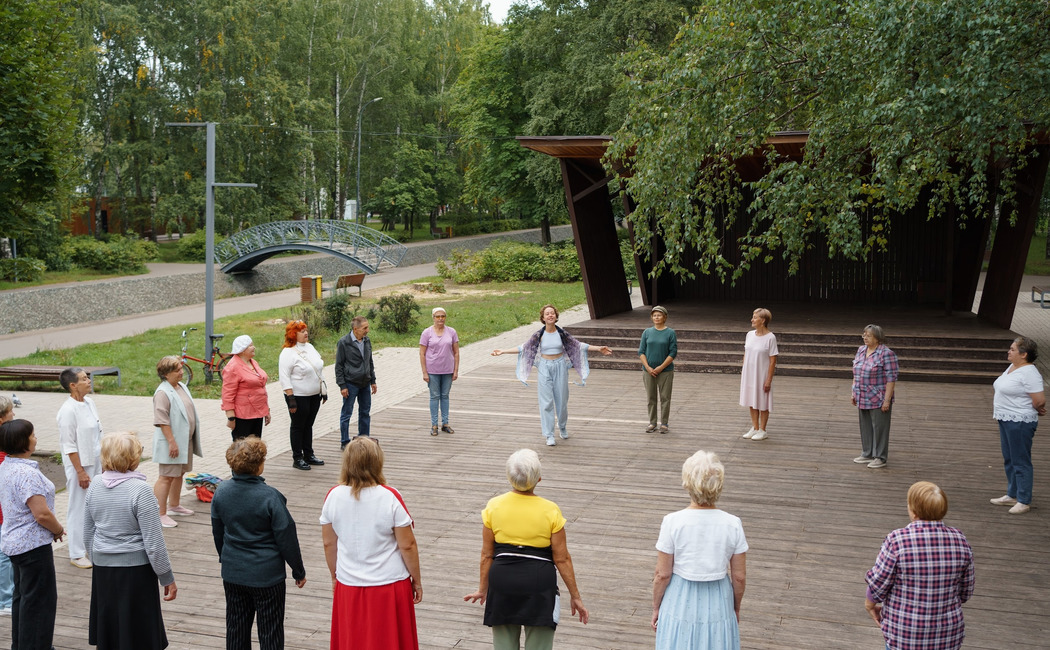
[{"x": 657, "y": 350}]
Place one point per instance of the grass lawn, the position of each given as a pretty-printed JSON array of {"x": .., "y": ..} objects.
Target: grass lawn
[
  {"x": 475, "y": 311},
  {"x": 1037, "y": 264}
]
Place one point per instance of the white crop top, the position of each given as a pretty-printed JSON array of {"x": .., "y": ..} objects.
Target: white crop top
[{"x": 550, "y": 343}]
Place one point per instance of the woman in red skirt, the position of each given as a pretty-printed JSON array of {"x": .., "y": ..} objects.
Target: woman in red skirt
[{"x": 372, "y": 556}]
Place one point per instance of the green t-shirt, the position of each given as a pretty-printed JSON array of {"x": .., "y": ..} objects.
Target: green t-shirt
[{"x": 657, "y": 345}]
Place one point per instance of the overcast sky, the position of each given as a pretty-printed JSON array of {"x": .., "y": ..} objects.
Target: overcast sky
[{"x": 498, "y": 9}]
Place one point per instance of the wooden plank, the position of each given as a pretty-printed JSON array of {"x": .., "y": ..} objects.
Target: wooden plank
[{"x": 814, "y": 519}]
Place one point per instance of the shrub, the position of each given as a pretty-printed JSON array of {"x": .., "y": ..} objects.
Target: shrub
[
  {"x": 512, "y": 262},
  {"x": 23, "y": 269},
  {"x": 332, "y": 314},
  {"x": 338, "y": 311},
  {"x": 396, "y": 312},
  {"x": 118, "y": 254},
  {"x": 193, "y": 247}
]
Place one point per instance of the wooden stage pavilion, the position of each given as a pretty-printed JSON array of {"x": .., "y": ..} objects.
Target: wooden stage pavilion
[{"x": 814, "y": 519}]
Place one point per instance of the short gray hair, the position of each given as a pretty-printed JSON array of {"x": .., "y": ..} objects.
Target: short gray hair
[
  {"x": 6, "y": 406},
  {"x": 702, "y": 477},
  {"x": 1026, "y": 347},
  {"x": 523, "y": 469},
  {"x": 875, "y": 331}
]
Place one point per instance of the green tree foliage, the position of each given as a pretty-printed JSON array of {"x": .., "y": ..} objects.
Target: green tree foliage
[
  {"x": 37, "y": 115},
  {"x": 551, "y": 70},
  {"x": 410, "y": 190},
  {"x": 285, "y": 80},
  {"x": 904, "y": 101}
]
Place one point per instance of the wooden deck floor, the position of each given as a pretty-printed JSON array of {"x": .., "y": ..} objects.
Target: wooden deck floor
[{"x": 814, "y": 520}]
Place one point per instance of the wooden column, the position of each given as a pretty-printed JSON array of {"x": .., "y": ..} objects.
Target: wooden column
[
  {"x": 1006, "y": 266},
  {"x": 594, "y": 230}
]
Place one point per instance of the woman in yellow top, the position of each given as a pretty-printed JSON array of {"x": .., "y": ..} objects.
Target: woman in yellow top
[{"x": 523, "y": 541}]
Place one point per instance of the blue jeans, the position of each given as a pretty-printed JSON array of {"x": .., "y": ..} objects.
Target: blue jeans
[
  {"x": 363, "y": 396},
  {"x": 7, "y": 582},
  {"x": 440, "y": 385},
  {"x": 552, "y": 389},
  {"x": 1015, "y": 438}
]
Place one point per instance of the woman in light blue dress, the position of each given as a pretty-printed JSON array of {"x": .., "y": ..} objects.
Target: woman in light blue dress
[{"x": 700, "y": 566}]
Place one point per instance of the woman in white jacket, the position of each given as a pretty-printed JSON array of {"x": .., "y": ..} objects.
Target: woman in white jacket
[{"x": 299, "y": 370}]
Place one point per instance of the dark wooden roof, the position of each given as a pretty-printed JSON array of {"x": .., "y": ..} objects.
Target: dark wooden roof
[{"x": 788, "y": 144}]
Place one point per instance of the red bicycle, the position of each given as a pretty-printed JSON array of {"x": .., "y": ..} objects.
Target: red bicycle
[{"x": 212, "y": 369}]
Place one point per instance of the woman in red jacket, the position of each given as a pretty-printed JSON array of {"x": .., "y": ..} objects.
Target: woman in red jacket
[{"x": 244, "y": 391}]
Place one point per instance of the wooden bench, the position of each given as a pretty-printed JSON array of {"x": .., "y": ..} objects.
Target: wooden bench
[
  {"x": 53, "y": 373},
  {"x": 353, "y": 280},
  {"x": 1042, "y": 291},
  {"x": 441, "y": 233}
]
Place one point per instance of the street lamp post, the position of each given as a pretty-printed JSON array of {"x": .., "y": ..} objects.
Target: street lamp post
[
  {"x": 367, "y": 104},
  {"x": 209, "y": 225}
]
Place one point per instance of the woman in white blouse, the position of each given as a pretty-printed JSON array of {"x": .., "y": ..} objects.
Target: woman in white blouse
[
  {"x": 700, "y": 566},
  {"x": 299, "y": 370},
  {"x": 1019, "y": 401}
]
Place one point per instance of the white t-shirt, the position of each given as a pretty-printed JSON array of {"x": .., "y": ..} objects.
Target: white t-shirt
[
  {"x": 1012, "y": 403},
  {"x": 701, "y": 541},
  {"x": 367, "y": 550}
]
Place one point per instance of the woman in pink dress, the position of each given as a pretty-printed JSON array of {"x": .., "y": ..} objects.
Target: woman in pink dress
[{"x": 756, "y": 377}]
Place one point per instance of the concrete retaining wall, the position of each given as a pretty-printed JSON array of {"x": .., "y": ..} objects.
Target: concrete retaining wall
[{"x": 56, "y": 306}]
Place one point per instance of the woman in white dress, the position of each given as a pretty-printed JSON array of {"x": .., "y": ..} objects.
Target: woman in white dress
[{"x": 756, "y": 377}]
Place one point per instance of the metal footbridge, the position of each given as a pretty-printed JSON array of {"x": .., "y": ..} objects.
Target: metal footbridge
[{"x": 365, "y": 247}]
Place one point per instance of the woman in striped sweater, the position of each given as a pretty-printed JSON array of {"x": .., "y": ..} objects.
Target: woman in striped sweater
[{"x": 125, "y": 543}]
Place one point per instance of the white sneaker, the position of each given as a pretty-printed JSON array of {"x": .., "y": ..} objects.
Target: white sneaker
[
  {"x": 551, "y": 442},
  {"x": 864, "y": 460},
  {"x": 1019, "y": 508},
  {"x": 168, "y": 522},
  {"x": 877, "y": 463},
  {"x": 760, "y": 435},
  {"x": 750, "y": 432},
  {"x": 1005, "y": 500}
]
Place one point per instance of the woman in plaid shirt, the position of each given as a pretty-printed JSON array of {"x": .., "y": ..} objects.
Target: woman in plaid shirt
[
  {"x": 921, "y": 578},
  {"x": 875, "y": 373}
]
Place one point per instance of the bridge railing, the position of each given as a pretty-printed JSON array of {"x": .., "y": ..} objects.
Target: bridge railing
[{"x": 366, "y": 244}]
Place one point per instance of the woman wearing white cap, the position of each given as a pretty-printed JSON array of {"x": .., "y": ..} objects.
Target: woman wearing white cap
[
  {"x": 244, "y": 391},
  {"x": 439, "y": 358}
]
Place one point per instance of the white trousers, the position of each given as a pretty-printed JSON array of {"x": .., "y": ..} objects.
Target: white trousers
[{"x": 75, "y": 511}]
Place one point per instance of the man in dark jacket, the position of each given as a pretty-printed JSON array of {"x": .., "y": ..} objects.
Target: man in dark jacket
[{"x": 354, "y": 372}]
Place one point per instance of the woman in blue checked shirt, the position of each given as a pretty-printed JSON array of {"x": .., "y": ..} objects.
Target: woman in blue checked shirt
[
  {"x": 875, "y": 373},
  {"x": 921, "y": 578}
]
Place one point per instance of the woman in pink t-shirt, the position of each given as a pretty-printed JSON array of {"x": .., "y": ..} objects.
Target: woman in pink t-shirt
[{"x": 439, "y": 358}]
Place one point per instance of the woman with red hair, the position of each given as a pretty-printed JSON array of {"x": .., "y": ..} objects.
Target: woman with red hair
[{"x": 300, "y": 369}]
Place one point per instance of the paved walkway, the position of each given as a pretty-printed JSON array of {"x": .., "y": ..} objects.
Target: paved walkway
[{"x": 397, "y": 376}]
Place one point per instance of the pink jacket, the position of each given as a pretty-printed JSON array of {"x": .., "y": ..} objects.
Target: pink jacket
[{"x": 244, "y": 389}]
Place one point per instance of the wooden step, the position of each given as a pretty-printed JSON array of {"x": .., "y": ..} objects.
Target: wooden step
[{"x": 921, "y": 358}]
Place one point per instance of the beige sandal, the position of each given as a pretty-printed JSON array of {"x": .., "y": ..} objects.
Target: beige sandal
[{"x": 433, "y": 430}]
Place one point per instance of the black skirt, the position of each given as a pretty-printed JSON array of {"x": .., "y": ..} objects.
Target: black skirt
[
  {"x": 125, "y": 609},
  {"x": 523, "y": 587}
]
